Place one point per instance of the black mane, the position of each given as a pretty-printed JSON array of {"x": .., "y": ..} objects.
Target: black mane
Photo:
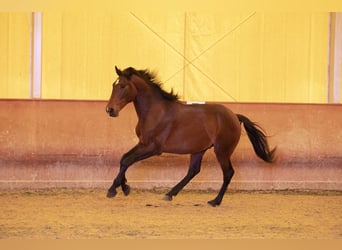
[{"x": 151, "y": 79}]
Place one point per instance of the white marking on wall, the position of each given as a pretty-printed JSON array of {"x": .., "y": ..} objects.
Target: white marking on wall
[
  {"x": 335, "y": 62},
  {"x": 36, "y": 57},
  {"x": 338, "y": 58}
]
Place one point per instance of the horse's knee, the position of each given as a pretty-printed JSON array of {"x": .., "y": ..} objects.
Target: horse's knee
[{"x": 125, "y": 161}]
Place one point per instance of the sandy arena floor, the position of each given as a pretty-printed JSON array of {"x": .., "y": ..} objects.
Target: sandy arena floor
[{"x": 88, "y": 214}]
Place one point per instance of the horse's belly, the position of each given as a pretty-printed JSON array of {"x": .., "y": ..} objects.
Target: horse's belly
[{"x": 187, "y": 141}]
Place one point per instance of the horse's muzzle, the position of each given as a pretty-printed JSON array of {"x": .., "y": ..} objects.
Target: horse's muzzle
[{"x": 111, "y": 112}]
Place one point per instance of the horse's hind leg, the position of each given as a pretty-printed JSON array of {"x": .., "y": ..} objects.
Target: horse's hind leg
[
  {"x": 194, "y": 169},
  {"x": 228, "y": 173}
]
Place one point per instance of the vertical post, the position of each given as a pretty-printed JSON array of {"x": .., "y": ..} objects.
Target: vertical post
[
  {"x": 36, "y": 56},
  {"x": 335, "y": 58}
]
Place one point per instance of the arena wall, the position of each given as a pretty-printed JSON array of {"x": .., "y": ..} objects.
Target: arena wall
[{"x": 50, "y": 144}]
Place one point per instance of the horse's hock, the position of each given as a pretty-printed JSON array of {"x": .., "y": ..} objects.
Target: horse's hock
[{"x": 75, "y": 144}]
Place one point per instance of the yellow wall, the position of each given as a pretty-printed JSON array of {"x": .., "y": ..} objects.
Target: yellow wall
[
  {"x": 272, "y": 57},
  {"x": 80, "y": 51},
  {"x": 245, "y": 57},
  {"x": 15, "y": 48}
]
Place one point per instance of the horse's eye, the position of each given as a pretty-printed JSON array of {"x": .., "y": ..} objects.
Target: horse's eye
[{"x": 121, "y": 86}]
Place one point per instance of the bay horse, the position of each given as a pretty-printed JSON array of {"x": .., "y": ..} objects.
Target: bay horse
[{"x": 167, "y": 125}]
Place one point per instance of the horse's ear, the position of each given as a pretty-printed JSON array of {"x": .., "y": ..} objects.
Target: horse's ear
[{"x": 118, "y": 71}]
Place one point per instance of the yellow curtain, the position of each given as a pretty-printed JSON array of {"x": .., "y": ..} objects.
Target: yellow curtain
[
  {"x": 247, "y": 57},
  {"x": 80, "y": 50},
  {"x": 15, "y": 49},
  {"x": 258, "y": 57}
]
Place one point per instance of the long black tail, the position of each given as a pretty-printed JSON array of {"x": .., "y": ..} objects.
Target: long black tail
[{"x": 258, "y": 139}]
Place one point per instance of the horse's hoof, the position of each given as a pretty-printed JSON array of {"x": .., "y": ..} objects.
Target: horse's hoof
[
  {"x": 126, "y": 189},
  {"x": 167, "y": 198},
  {"x": 111, "y": 194},
  {"x": 213, "y": 203}
]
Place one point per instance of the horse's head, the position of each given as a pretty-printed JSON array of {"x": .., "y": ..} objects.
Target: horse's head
[{"x": 123, "y": 92}]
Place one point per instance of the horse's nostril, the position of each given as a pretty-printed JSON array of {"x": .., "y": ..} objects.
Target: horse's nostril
[{"x": 109, "y": 110}]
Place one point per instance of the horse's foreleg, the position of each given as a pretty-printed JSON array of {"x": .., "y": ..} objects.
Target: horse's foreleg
[
  {"x": 194, "y": 169},
  {"x": 125, "y": 188},
  {"x": 139, "y": 152}
]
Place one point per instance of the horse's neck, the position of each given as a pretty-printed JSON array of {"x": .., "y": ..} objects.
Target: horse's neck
[
  {"x": 148, "y": 103},
  {"x": 139, "y": 108}
]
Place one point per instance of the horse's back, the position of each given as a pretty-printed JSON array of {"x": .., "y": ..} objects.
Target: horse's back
[
  {"x": 222, "y": 115},
  {"x": 197, "y": 127}
]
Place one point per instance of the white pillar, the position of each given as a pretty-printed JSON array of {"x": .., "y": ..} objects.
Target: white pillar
[
  {"x": 335, "y": 61},
  {"x": 36, "y": 56}
]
